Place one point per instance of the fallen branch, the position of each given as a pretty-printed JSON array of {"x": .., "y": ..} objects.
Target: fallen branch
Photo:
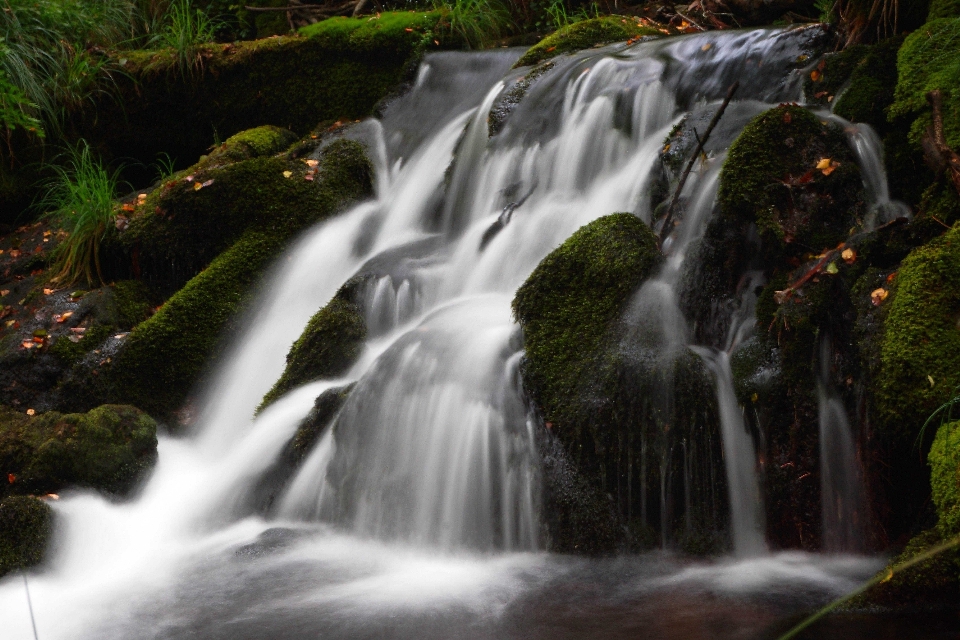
[{"x": 696, "y": 154}]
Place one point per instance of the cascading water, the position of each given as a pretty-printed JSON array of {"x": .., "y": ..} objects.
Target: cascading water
[
  {"x": 431, "y": 462},
  {"x": 841, "y": 481}
]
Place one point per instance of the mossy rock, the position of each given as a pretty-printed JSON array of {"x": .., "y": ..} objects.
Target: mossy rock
[
  {"x": 770, "y": 179},
  {"x": 920, "y": 347},
  {"x": 179, "y": 228},
  {"x": 108, "y": 448},
  {"x": 930, "y": 59},
  {"x": 944, "y": 460},
  {"x": 570, "y": 301},
  {"x": 164, "y": 356},
  {"x": 328, "y": 347},
  {"x": 871, "y": 85},
  {"x": 252, "y": 143},
  {"x": 25, "y": 527},
  {"x": 387, "y": 32},
  {"x": 583, "y": 35}
]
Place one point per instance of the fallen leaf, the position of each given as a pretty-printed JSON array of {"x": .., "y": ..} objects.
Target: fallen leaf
[
  {"x": 877, "y": 296},
  {"x": 4, "y": 292},
  {"x": 309, "y": 177},
  {"x": 128, "y": 208},
  {"x": 781, "y": 296},
  {"x": 787, "y": 118},
  {"x": 31, "y": 412},
  {"x": 47, "y": 292},
  {"x": 849, "y": 256},
  {"x": 832, "y": 268},
  {"x": 11, "y": 323},
  {"x": 891, "y": 277},
  {"x": 287, "y": 174},
  {"x": 815, "y": 75},
  {"x": 706, "y": 47},
  {"x": 11, "y": 478},
  {"x": 311, "y": 162},
  {"x": 121, "y": 223},
  {"x": 549, "y": 49},
  {"x": 141, "y": 197},
  {"x": 14, "y": 253},
  {"x": 63, "y": 317},
  {"x": 207, "y": 183},
  {"x": 197, "y": 186},
  {"x": 188, "y": 179},
  {"x": 823, "y": 164},
  {"x": 930, "y": 378},
  {"x": 666, "y": 148},
  {"x": 827, "y": 166},
  {"x": 408, "y": 30}
]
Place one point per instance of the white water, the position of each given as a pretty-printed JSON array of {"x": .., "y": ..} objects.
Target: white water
[{"x": 430, "y": 469}]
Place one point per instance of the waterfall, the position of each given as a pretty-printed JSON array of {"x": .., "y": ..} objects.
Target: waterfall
[
  {"x": 433, "y": 450},
  {"x": 841, "y": 481}
]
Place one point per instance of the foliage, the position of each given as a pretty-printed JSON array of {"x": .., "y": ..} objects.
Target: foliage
[
  {"x": 477, "y": 22},
  {"x": 25, "y": 527},
  {"x": 944, "y": 9},
  {"x": 186, "y": 28},
  {"x": 585, "y": 34},
  {"x": 79, "y": 199}
]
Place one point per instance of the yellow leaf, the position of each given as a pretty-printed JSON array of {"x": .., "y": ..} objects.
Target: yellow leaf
[
  {"x": 31, "y": 412},
  {"x": 930, "y": 378},
  {"x": 849, "y": 256},
  {"x": 287, "y": 174},
  {"x": 832, "y": 268},
  {"x": 877, "y": 296},
  {"x": 706, "y": 47},
  {"x": 197, "y": 186}
]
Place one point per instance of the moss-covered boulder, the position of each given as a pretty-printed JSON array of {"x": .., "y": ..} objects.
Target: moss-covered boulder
[
  {"x": 569, "y": 310},
  {"x": 328, "y": 347},
  {"x": 241, "y": 220},
  {"x": 177, "y": 229},
  {"x": 920, "y": 348},
  {"x": 944, "y": 460},
  {"x": 585, "y": 34},
  {"x": 930, "y": 59},
  {"x": 570, "y": 301},
  {"x": 944, "y": 9},
  {"x": 108, "y": 449},
  {"x": 25, "y": 527},
  {"x": 795, "y": 178}
]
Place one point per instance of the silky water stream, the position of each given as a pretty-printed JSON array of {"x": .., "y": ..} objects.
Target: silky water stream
[{"x": 417, "y": 514}]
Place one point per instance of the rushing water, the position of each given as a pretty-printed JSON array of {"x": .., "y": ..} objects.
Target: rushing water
[{"x": 417, "y": 513}]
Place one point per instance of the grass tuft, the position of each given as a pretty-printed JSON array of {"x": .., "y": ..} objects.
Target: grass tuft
[{"x": 79, "y": 199}]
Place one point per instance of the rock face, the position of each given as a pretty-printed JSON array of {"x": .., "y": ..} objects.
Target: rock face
[{"x": 568, "y": 309}]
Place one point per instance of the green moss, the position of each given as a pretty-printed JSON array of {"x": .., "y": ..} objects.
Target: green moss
[
  {"x": 944, "y": 9},
  {"x": 25, "y": 527},
  {"x": 328, "y": 347},
  {"x": 252, "y": 143},
  {"x": 133, "y": 303},
  {"x": 770, "y": 179},
  {"x": 920, "y": 347},
  {"x": 570, "y": 301},
  {"x": 164, "y": 356},
  {"x": 107, "y": 449},
  {"x": 72, "y": 352},
  {"x": 944, "y": 461},
  {"x": 585, "y": 34},
  {"x": 832, "y": 74},
  {"x": 930, "y": 59},
  {"x": 379, "y": 33}
]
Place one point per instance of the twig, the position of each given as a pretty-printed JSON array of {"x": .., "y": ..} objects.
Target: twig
[
  {"x": 693, "y": 159},
  {"x": 29, "y": 604}
]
